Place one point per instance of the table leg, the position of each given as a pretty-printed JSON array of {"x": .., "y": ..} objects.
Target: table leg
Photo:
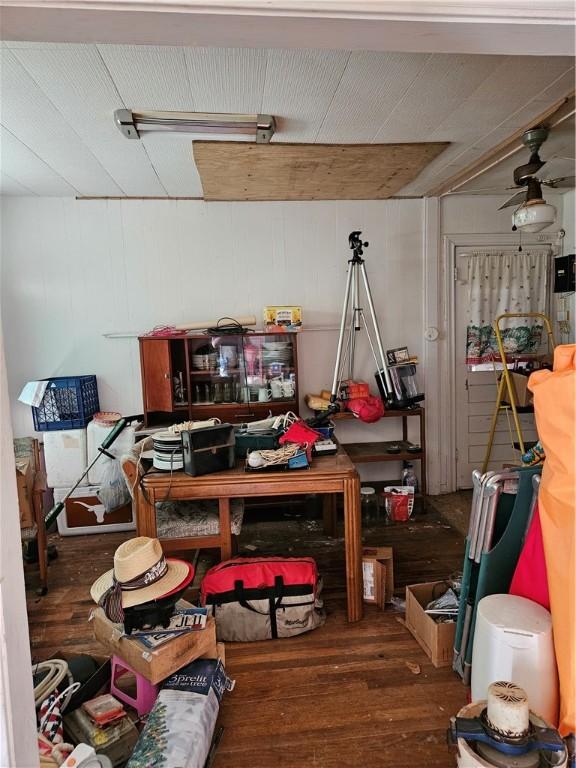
[
  {"x": 330, "y": 514},
  {"x": 225, "y": 531},
  {"x": 41, "y": 542},
  {"x": 144, "y": 506},
  {"x": 353, "y": 547}
]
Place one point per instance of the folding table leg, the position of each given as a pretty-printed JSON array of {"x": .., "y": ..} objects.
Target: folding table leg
[
  {"x": 330, "y": 514},
  {"x": 225, "y": 530}
]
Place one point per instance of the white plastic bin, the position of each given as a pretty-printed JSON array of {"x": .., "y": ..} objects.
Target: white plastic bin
[
  {"x": 65, "y": 454},
  {"x": 84, "y": 513},
  {"x": 513, "y": 641}
]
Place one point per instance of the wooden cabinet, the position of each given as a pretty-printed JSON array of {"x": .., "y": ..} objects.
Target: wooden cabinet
[
  {"x": 235, "y": 378},
  {"x": 157, "y": 385}
]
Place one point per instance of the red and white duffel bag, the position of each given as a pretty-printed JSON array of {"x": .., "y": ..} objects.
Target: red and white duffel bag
[{"x": 259, "y": 598}]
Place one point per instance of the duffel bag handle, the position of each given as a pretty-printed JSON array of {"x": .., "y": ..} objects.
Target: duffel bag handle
[
  {"x": 240, "y": 596},
  {"x": 279, "y": 584}
]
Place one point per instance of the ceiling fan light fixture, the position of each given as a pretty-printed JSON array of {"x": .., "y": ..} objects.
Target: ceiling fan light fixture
[
  {"x": 132, "y": 124},
  {"x": 534, "y": 216}
]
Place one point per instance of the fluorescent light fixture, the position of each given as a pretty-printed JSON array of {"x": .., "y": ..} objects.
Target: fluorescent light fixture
[{"x": 133, "y": 124}]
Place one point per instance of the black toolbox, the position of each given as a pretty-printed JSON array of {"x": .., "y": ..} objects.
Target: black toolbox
[
  {"x": 208, "y": 450},
  {"x": 265, "y": 440}
]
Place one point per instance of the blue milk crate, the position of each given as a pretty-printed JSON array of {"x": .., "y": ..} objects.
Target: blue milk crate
[{"x": 68, "y": 403}]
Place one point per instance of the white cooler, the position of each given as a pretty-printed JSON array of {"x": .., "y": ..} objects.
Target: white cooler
[
  {"x": 84, "y": 513},
  {"x": 513, "y": 641},
  {"x": 65, "y": 454}
]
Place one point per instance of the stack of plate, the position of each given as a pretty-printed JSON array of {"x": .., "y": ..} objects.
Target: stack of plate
[
  {"x": 277, "y": 352},
  {"x": 168, "y": 451},
  {"x": 206, "y": 362}
]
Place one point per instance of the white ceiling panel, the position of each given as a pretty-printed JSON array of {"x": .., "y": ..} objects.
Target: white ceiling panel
[
  {"x": 10, "y": 187},
  {"x": 299, "y": 87},
  {"x": 522, "y": 77},
  {"x": 226, "y": 79},
  {"x": 58, "y": 102},
  {"x": 150, "y": 77},
  {"x": 370, "y": 88},
  {"x": 172, "y": 159},
  {"x": 27, "y": 169},
  {"x": 66, "y": 77},
  {"x": 30, "y": 116},
  {"x": 437, "y": 92}
]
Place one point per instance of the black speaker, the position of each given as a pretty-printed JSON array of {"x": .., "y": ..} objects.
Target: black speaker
[{"x": 564, "y": 281}]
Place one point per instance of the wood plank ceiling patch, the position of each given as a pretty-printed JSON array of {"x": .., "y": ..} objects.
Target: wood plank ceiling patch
[{"x": 240, "y": 171}]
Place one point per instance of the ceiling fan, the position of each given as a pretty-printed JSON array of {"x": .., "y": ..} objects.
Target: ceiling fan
[
  {"x": 534, "y": 214},
  {"x": 524, "y": 176}
]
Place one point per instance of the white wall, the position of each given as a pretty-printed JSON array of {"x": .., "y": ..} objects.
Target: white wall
[
  {"x": 17, "y": 714},
  {"x": 73, "y": 270},
  {"x": 569, "y": 220}
]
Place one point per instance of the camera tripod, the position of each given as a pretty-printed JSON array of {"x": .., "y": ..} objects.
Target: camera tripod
[{"x": 356, "y": 320}]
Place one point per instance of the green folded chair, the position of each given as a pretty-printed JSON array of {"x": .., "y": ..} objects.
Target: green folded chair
[{"x": 498, "y": 524}]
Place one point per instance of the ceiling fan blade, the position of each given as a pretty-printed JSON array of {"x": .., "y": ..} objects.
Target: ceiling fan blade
[
  {"x": 516, "y": 199},
  {"x": 560, "y": 182},
  {"x": 523, "y": 172}
]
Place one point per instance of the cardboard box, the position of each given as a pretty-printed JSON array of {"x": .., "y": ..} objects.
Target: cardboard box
[
  {"x": 158, "y": 664},
  {"x": 25, "y": 482},
  {"x": 437, "y": 639},
  {"x": 283, "y": 316},
  {"x": 378, "y": 575},
  {"x": 521, "y": 391}
]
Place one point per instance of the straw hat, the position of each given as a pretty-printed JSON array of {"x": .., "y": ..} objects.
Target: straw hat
[{"x": 141, "y": 573}]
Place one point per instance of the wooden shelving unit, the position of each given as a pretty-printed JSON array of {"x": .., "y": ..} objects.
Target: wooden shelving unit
[
  {"x": 163, "y": 358},
  {"x": 371, "y": 452}
]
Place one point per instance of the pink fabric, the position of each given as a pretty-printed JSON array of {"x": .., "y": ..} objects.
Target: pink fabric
[{"x": 530, "y": 579}]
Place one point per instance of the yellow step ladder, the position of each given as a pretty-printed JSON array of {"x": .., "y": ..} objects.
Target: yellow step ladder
[{"x": 506, "y": 398}]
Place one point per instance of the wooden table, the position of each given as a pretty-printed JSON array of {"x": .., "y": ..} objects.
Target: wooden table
[{"x": 329, "y": 475}]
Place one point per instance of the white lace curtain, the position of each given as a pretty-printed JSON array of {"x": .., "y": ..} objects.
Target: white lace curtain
[{"x": 500, "y": 282}]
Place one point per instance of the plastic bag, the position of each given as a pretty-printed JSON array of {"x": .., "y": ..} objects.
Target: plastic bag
[
  {"x": 445, "y": 607},
  {"x": 113, "y": 491},
  {"x": 178, "y": 731}
]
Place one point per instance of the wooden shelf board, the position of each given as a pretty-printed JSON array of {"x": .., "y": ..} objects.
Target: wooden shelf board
[
  {"x": 361, "y": 453},
  {"x": 389, "y": 414},
  {"x": 214, "y": 372}
]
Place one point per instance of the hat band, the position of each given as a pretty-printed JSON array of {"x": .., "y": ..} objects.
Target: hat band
[{"x": 111, "y": 600}]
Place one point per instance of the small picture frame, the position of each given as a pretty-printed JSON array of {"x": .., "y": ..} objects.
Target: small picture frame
[{"x": 397, "y": 356}]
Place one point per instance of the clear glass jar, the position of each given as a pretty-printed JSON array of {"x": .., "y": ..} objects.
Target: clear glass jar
[{"x": 369, "y": 504}]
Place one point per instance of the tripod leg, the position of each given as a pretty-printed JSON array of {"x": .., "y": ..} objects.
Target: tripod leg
[
  {"x": 344, "y": 360},
  {"x": 337, "y": 365},
  {"x": 384, "y": 367},
  {"x": 372, "y": 348},
  {"x": 355, "y": 319}
]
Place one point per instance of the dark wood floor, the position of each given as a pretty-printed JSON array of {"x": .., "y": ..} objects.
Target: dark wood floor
[{"x": 342, "y": 695}]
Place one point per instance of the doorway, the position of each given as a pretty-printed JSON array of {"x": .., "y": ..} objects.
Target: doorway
[{"x": 475, "y": 386}]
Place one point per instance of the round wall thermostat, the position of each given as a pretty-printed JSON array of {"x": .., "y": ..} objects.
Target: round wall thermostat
[{"x": 431, "y": 334}]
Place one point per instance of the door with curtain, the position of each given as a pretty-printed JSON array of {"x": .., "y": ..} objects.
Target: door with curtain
[{"x": 491, "y": 282}]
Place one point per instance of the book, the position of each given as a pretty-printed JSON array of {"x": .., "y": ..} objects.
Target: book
[{"x": 184, "y": 620}]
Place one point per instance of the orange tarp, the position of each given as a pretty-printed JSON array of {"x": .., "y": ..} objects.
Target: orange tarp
[{"x": 555, "y": 409}]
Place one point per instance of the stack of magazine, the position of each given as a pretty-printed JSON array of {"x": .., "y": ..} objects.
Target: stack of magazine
[{"x": 186, "y": 619}]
